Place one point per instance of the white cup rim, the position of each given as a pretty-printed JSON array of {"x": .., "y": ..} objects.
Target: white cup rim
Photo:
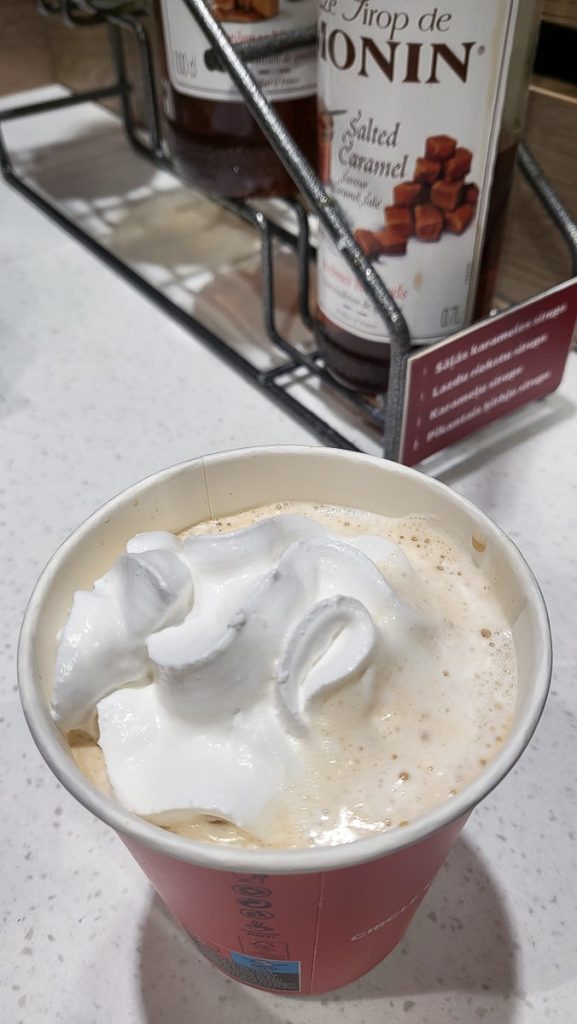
[{"x": 313, "y": 859}]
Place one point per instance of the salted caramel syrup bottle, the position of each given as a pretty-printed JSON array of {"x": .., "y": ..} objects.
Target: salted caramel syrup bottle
[
  {"x": 419, "y": 114},
  {"x": 212, "y": 138}
]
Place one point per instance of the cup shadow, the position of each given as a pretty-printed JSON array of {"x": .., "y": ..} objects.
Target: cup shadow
[{"x": 458, "y": 961}]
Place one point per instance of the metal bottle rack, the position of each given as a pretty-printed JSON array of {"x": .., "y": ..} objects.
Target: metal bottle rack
[{"x": 384, "y": 413}]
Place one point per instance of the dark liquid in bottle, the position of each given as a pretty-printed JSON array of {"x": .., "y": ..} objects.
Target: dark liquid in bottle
[
  {"x": 495, "y": 230},
  {"x": 360, "y": 364},
  {"x": 218, "y": 147}
]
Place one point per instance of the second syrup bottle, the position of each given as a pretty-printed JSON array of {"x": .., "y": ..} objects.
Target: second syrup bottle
[{"x": 213, "y": 140}]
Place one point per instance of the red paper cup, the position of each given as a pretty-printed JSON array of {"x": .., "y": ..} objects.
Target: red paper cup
[{"x": 305, "y": 920}]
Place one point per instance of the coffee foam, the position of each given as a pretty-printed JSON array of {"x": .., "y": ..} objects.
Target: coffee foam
[{"x": 437, "y": 716}]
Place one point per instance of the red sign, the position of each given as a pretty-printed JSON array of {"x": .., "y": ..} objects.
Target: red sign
[{"x": 486, "y": 371}]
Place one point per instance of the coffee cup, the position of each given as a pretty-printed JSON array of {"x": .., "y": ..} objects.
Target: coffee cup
[{"x": 296, "y": 920}]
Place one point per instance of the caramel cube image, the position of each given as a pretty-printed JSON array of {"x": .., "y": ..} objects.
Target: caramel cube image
[
  {"x": 427, "y": 170},
  {"x": 446, "y": 194},
  {"x": 440, "y": 147},
  {"x": 366, "y": 242},
  {"x": 471, "y": 194},
  {"x": 401, "y": 218},
  {"x": 407, "y": 193},
  {"x": 266, "y": 8},
  {"x": 458, "y": 220},
  {"x": 391, "y": 242},
  {"x": 459, "y": 165},
  {"x": 429, "y": 222}
]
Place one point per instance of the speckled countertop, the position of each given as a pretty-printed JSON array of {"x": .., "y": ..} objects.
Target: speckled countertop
[{"x": 98, "y": 389}]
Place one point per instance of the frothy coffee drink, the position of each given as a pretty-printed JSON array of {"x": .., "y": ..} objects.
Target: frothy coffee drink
[{"x": 295, "y": 675}]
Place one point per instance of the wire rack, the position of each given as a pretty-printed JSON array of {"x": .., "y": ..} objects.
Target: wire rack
[{"x": 383, "y": 415}]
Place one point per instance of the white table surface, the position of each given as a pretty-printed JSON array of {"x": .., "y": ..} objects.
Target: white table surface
[{"x": 98, "y": 389}]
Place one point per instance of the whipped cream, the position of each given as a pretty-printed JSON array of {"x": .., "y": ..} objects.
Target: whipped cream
[
  {"x": 203, "y": 656},
  {"x": 305, "y": 679}
]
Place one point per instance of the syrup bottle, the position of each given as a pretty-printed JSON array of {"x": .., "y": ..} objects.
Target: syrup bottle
[
  {"x": 212, "y": 138},
  {"x": 420, "y": 115}
]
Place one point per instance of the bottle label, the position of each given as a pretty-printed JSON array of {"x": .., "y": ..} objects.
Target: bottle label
[
  {"x": 285, "y": 76},
  {"x": 410, "y": 101}
]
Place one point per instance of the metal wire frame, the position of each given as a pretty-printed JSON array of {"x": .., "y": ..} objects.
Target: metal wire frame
[
  {"x": 550, "y": 200},
  {"x": 273, "y": 382},
  {"x": 385, "y": 415},
  {"x": 328, "y": 212}
]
